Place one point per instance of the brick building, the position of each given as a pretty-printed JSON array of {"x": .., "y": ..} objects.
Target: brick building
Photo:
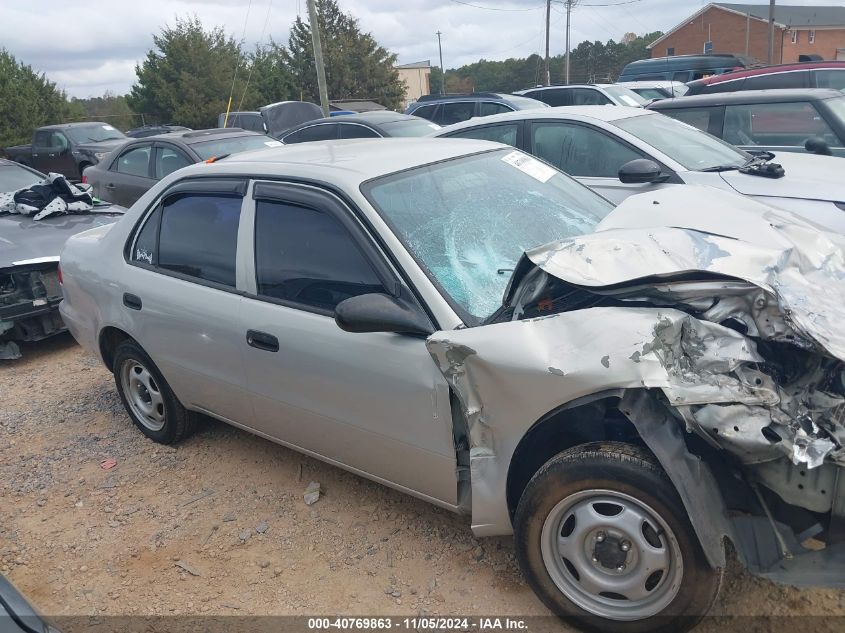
[{"x": 743, "y": 29}]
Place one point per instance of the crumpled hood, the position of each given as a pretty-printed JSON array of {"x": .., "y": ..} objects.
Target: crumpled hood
[
  {"x": 23, "y": 239},
  {"x": 797, "y": 264},
  {"x": 807, "y": 176}
]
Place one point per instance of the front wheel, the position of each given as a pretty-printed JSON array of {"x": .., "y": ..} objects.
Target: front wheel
[{"x": 604, "y": 540}]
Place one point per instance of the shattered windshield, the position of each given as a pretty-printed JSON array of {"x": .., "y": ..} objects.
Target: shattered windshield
[
  {"x": 467, "y": 221},
  {"x": 96, "y": 133}
]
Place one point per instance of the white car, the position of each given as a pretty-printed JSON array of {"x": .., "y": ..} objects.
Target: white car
[
  {"x": 656, "y": 90},
  {"x": 585, "y": 94},
  {"x": 619, "y": 152}
]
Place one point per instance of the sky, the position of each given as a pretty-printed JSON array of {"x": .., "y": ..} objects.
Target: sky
[{"x": 90, "y": 46}]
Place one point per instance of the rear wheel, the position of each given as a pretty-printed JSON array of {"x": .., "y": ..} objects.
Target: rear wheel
[
  {"x": 148, "y": 398},
  {"x": 604, "y": 540}
]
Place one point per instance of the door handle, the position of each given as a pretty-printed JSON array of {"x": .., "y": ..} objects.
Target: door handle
[
  {"x": 133, "y": 302},
  {"x": 111, "y": 186},
  {"x": 262, "y": 340}
]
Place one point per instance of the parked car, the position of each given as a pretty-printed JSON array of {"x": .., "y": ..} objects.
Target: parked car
[
  {"x": 378, "y": 124},
  {"x": 17, "y": 615},
  {"x": 656, "y": 90},
  {"x": 29, "y": 256},
  {"x": 622, "y": 399},
  {"x": 767, "y": 120},
  {"x": 449, "y": 109},
  {"x": 125, "y": 175},
  {"x": 272, "y": 119},
  {"x": 830, "y": 74},
  {"x": 622, "y": 151},
  {"x": 683, "y": 68},
  {"x": 68, "y": 148},
  {"x": 585, "y": 94},
  {"x": 153, "y": 130}
]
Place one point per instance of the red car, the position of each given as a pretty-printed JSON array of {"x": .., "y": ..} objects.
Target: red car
[{"x": 802, "y": 75}]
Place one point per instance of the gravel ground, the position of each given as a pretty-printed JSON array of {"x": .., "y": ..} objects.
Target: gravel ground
[{"x": 218, "y": 524}]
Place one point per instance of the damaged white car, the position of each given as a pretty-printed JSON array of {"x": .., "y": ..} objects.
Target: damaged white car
[{"x": 624, "y": 400}]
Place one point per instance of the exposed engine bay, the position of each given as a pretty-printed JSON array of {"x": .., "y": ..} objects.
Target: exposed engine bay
[{"x": 29, "y": 300}]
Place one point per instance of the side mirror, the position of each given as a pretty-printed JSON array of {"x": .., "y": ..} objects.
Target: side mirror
[
  {"x": 641, "y": 170},
  {"x": 381, "y": 313},
  {"x": 816, "y": 145}
]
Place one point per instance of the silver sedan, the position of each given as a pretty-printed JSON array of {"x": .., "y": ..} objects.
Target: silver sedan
[{"x": 622, "y": 399}]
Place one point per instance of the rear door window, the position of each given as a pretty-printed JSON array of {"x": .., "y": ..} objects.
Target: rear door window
[
  {"x": 307, "y": 257},
  {"x": 198, "y": 236},
  {"x": 322, "y": 132},
  {"x": 134, "y": 162},
  {"x": 425, "y": 112},
  {"x": 794, "y": 79},
  {"x": 557, "y": 96},
  {"x": 348, "y": 130},
  {"x": 455, "y": 112},
  {"x": 775, "y": 124},
  {"x": 830, "y": 79}
]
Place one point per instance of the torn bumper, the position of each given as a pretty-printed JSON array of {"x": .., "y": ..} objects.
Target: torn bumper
[{"x": 29, "y": 302}]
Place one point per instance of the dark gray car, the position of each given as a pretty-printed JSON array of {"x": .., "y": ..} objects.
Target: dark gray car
[
  {"x": 123, "y": 176},
  {"x": 381, "y": 124}
]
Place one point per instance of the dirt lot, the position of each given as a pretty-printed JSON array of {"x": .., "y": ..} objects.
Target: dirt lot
[{"x": 218, "y": 525}]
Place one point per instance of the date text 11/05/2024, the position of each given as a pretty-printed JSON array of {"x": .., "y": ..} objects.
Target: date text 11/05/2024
[{"x": 419, "y": 623}]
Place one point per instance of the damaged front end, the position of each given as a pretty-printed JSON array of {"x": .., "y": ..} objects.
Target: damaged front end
[
  {"x": 735, "y": 345},
  {"x": 29, "y": 299}
]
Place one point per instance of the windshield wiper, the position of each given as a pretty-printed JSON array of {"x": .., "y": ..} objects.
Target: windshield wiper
[
  {"x": 722, "y": 168},
  {"x": 760, "y": 165}
]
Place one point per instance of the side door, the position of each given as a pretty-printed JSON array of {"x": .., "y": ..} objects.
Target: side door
[
  {"x": 60, "y": 157},
  {"x": 556, "y": 96},
  {"x": 371, "y": 402},
  {"x": 454, "y": 112},
  {"x": 41, "y": 150},
  {"x": 590, "y": 155},
  {"x": 181, "y": 294},
  {"x": 128, "y": 177}
]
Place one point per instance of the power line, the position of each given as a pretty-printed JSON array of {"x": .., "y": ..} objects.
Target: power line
[
  {"x": 478, "y": 6},
  {"x": 237, "y": 65},
  {"x": 252, "y": 66}
]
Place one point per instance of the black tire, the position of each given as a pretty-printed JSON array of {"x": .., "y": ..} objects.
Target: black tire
[
  {"x": 627, "y": 470},
  {"x": 178, "y": 422}
]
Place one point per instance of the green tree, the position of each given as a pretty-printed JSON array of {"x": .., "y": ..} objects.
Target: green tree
[
  {"x": 270, "y": 79},
  {"x": 27, "y": 100},
  {"x": 186, "y": 79},
  {"x": 111, "y": 108},
  {"x": 356, "y": 66}
]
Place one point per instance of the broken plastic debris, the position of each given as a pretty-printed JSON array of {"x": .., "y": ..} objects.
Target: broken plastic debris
[
  {"x": 108, "y": 464},
  {"x": 810, "y": 451},
  {"x": 188, "y": 568},
  {"x": 312, "y": 493}
]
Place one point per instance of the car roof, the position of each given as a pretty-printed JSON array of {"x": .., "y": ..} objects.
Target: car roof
[
  {"x": 768, "y": 70},
  {"x": 374, "y": 116},
  {"x": 189, "y": 137},
  {"x": 606, "y": 113},
  {"x": 775, "y": 95},
  {"x": 351, "y": 161},
  {"x": 558, "y": 86},
  {"x": 65, "y": 126}
]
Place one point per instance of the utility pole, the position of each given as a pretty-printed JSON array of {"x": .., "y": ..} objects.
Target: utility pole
[
  {"x": 548, "y": 77},
  {"x": 771, "y": 31},
  {"x": 318, "y": 57},
  {"x": 568, "y": 11},
  {"x": 442, "y": 70}
]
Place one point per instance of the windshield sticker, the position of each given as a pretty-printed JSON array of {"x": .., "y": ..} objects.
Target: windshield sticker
[
  {"x": 143, "y": 255},
  {"x": 529, "y": 165},
  {"x": 273, "y": 143},
  {"x": 107, "y": 127}
]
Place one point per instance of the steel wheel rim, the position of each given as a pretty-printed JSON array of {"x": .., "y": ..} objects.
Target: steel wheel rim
[
  {"x": 583, "y": 543},
  {"x": 143, "y": 395}
]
